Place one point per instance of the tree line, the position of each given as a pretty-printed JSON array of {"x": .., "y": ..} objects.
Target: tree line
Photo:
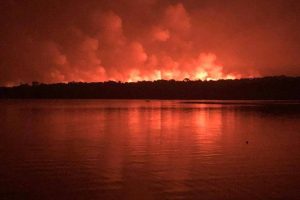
[{"x": 275, "y": 88}]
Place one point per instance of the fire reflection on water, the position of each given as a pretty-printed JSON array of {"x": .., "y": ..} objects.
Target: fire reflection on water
[{"x": 153, "y": 149}]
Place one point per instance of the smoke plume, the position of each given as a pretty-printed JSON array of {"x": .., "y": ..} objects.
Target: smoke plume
[{"x": 122, "y": 40}]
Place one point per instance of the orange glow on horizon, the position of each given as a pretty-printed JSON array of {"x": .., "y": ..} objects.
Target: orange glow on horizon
[{"x": 204, "y": 68}]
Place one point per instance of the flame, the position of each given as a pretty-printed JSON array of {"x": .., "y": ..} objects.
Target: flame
[{"x": 203, "y": 68}]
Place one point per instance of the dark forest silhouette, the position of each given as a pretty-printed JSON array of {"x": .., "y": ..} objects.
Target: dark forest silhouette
[{"x": 276, "y": 88}]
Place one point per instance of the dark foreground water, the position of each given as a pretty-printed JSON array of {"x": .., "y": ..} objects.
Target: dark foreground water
[{"x": 95, "y": 149}]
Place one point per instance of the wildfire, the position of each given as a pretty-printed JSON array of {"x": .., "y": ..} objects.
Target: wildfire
[{"x": 203, "y": 68}]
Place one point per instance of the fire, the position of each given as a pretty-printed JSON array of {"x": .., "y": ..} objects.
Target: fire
[{"x": 203, "y": 68}]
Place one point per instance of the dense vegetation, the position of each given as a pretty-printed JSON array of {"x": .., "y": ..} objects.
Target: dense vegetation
[{"x": 279, "y": 87}]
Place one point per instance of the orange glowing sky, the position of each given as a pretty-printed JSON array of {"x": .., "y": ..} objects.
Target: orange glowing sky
[{"x": 124, "y": 40}]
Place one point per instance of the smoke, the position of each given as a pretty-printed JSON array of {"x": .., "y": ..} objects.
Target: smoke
[{"x": 62, "y": 41}]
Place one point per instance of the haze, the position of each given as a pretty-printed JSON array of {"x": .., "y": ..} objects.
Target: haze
[{"x": 123, "y": 40}]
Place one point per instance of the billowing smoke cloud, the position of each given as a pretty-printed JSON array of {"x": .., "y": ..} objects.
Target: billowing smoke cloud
[{"x": 98, "y": 40}]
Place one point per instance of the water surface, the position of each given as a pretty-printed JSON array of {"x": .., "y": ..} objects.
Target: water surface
[{"x": 138, "y": 149}]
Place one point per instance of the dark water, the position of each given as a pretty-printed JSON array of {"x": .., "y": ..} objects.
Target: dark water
[{"x": 94, "y": 149}]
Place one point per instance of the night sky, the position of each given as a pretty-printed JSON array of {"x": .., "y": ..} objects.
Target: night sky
[{"x": 129, "y": 40}]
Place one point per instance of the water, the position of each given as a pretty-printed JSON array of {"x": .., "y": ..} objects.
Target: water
[{"x": 138, "y": 149}]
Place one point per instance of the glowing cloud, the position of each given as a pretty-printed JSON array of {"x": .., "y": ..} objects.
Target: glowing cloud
[{"x": 146, "y": 40}]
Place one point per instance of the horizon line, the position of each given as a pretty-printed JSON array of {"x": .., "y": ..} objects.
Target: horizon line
[{"x": 35, "y": 83}]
